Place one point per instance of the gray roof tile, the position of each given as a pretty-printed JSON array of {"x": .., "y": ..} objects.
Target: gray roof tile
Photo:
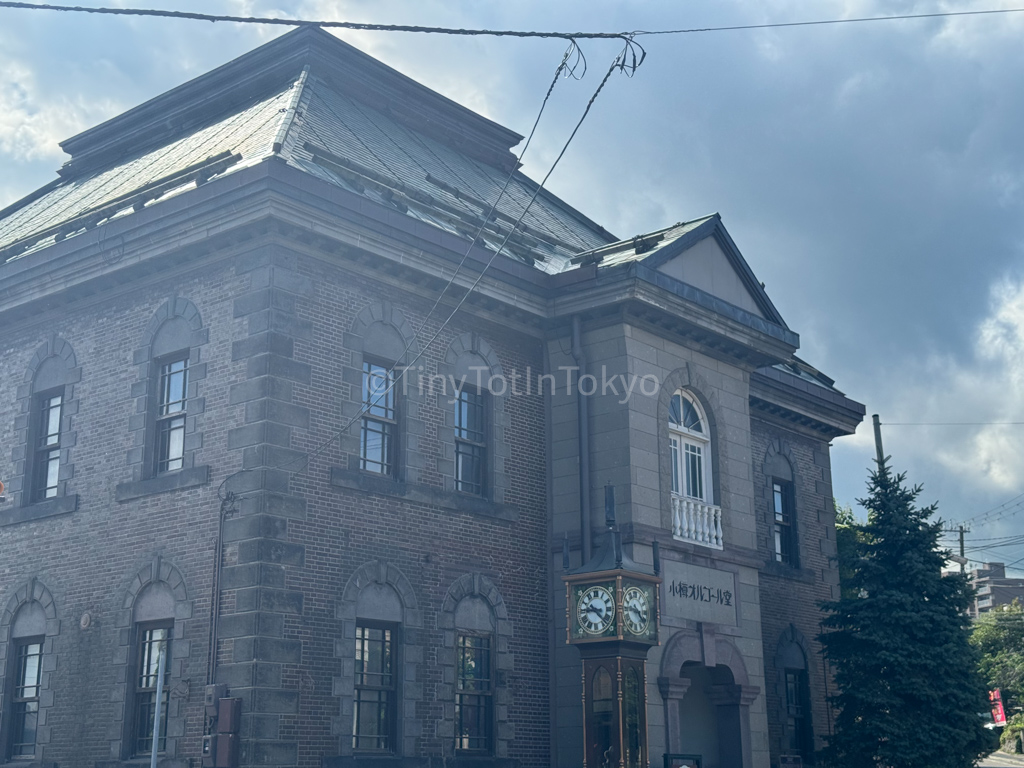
[{"x": 442, "y": 186}]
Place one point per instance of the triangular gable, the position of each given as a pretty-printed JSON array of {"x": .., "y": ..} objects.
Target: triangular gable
[{"x": 707, "y": 258}]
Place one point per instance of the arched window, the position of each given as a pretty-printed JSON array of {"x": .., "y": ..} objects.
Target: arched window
[
  {"x": 475, "y": 658},
  {"x": 795, "y": 697},
  {"x": 782, "y": 511},
  {"x": 157, "y": 605},
  {"x": 26, "y": 664},
  {"x": 382, "y": 341},
  {"x": 377, "y": 667},
  {"x": 473, "y": 440},
  {"x": 153, "y": 625},
  {"x": 165, "y": 451},
  {"x": 49, "y": 406},
  {"x": 474, "y": 676},
  {"x": 689, "y": 443}
]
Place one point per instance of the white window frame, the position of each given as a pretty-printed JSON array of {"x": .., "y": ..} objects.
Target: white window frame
[{"x": 690, "y": 449}]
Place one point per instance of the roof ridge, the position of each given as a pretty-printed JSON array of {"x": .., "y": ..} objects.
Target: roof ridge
[
  {"x": 209, "y": 96},
  {"x": 289, "y": 117}
]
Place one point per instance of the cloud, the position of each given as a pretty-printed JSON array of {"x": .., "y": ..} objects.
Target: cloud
[
  {"x": 941, "y": 407},
  {"x": 31, "y": 124}
]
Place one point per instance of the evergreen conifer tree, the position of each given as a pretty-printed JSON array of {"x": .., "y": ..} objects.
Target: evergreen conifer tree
[{"x": 909, "y": 692}]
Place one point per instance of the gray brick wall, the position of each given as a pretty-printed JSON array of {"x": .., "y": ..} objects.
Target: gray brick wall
[
  {"x": 790, "y": 597},
  {"x": 274, "y": 351}
]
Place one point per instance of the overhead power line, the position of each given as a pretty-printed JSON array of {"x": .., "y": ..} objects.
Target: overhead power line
[
  {"x": 1013, "y": 506},
  {"x": 368, "y": 27},
  {"x": 994, "y": 538},
  {"x": 953, "y": 423}
]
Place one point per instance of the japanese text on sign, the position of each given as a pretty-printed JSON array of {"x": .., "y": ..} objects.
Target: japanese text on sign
[{"x": 700, "y": 593}]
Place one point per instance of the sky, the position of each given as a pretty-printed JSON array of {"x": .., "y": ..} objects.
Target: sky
[{"x": 872, "y": 174}]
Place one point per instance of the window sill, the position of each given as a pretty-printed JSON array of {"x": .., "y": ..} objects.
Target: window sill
[
  {"x": 482, "y": 761},
  {"x": 392, "y": 761},
  {"x": 172, "y": 481},
  {"x": 136, "y": 762},
  {"x": 365, "y": 482},
  {"x": 775, "y": 568},
  {"x": 61, "y": 505}
]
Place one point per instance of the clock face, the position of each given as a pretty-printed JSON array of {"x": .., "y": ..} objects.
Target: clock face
[
  {"x": 595, "y": 610},
  {"x": 636, "y": 610}
]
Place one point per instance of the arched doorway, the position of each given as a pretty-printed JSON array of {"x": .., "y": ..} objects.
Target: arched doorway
[
  {"x": 706, "y": 727},
  {"x": 707, "y": 701}
]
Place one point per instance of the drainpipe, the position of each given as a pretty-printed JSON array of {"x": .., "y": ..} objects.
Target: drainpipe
[{"x": 583, "y": 438}]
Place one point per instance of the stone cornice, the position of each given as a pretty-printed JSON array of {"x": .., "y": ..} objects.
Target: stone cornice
[{"x": 783, "y": 398}]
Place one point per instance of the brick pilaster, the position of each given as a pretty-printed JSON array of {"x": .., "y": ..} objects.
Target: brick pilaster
[{"x": 259, "y": 558}]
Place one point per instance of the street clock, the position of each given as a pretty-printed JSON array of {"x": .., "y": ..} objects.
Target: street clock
[{"x": 612, "y": 617}]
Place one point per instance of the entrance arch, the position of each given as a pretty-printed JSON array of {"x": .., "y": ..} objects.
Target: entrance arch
[{"x": 707, "y": 697}]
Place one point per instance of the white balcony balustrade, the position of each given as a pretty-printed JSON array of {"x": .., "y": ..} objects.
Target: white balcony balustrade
[{"x": 696, "y": 522}]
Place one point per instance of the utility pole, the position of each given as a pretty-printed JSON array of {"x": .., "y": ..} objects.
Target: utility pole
[
  {"x": 961, "y": 529},
  {"x": 879, "y": 453}
]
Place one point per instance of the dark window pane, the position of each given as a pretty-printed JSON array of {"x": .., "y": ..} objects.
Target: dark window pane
[
  {"x": 782, "y": 510},
  {"x": 474, "y": 663},
  {"x": 150, "y": 642},
  {"x": 474, "y": 714},
  {"x": 378, "y": 391},
  {"x": 469, "y": 467},
  {"x": 376, "y": 439},
  {"x": 376, "y": 446},
  {"x": 694, "y": 471},
  {"x": 469, "y": 416},
  {"x": 603, "y": 709},
  {"x": 46, "y": 474},
  {"x": 25, "y": 698},
  {"x": 691, "y": 419},
  {"x": 170, "y": 444},
  {"x": 633, "y": 720},
  {"x": 675, "y": 410},
  {"x": 170, "y": 428},
  {"x": 46, "y": 461},
  {"x": 470, "y": 436},
  {"x": 798, "y": 737},
  {"x": 373, "y": 715},
  {"x": 173, "y": 385},
  {"x": 51, "y": 412}
]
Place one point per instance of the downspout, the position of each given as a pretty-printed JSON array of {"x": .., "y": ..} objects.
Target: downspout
[
  {"x": 583, "y": 438},
  {"x": 556, "y": 598}
]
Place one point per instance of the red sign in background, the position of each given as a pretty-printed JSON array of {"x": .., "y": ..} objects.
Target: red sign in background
[{"x": 998, "y": 713}]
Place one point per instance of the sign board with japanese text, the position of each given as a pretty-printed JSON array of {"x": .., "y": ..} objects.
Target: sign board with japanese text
[{"x": 697, "y": 593}]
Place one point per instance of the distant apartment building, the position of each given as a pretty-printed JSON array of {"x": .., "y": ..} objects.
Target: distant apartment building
[{"x": 994, "y": 588}]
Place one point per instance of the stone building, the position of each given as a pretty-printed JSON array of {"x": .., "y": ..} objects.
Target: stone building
[{"x": 239, "y": 430}]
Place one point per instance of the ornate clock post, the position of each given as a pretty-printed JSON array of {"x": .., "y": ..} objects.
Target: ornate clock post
[{"x": 612, "y": 612}]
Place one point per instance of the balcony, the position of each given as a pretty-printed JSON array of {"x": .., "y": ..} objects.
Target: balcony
[{"x": 696, "y": 522}]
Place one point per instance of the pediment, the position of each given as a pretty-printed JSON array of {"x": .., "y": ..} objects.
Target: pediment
[{"x": 706, "y": 258}]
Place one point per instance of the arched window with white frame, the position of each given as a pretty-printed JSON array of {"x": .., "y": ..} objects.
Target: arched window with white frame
[
  {"x": 695, "y": 518},
  {"x": 690, "y": 445}
]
